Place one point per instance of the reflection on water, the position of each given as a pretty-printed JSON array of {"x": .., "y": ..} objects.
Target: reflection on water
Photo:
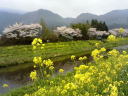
[
  {"x": 14, "y": 79},
  {"x": 12, "y": 84}
]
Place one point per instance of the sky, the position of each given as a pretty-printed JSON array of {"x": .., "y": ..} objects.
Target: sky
[{"x": 66, "y": 8}]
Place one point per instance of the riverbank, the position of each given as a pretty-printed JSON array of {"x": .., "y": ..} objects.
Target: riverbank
[{"x": 15, "y": 55}]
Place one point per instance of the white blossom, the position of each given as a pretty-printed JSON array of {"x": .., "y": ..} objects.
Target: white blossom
[
  {"x": 19, "y": 30},
  {"x": 117, "y": 33},
  {"x": 68, "y": 32},
  {"x": 92, "y": 32}
]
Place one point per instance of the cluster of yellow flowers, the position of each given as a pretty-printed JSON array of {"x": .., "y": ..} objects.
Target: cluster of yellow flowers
[
  {"x": 97, "y": 45},
  {"x": 99, "y": 78},
  {"x": 73, "y": 57},
  {"x": 37, "y": 43},
  {"x": 95, "y": 79},
  {"x": 70, "y": 86},
  {"x": 114, "y": 52},
  {"x": 48, "y": 62},
  {"x": 33, "y": 75},
  {"x": 5, "y": 85},
  {"x": 83, "y": 58},
  {"x": 45, "y": 66},
  {"x": 96, "y": 54},
  {"x": 37, "y": 60},
  {"x": 61, "y": 70},
  {"x": 111, "y": 38},
  {"x": 80, "y": 58}
]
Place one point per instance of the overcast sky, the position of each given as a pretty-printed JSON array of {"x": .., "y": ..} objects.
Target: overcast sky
[{"x": 66, "y": 8}]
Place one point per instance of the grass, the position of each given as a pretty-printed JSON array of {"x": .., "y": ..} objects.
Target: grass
[
  {"x": 14, "y": 55},
  {"x": 21, "y": 54}
]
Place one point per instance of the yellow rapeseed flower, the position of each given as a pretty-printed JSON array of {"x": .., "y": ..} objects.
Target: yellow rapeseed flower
[
  {"x": 73, "y": 57},
  {"x": 114, "y": 91},
  {"x": 113, "y": 52},
  {"x": 5, "y": 85},
  {"x": 63, "y": 91},
  {"x": 34, "y": 41},
  {"x": 78, "y": 76},
  {"x": 111, "y": 38},
  {"x": 51, "y": 67},
  {"x": 82, "y": 58},
  {"x": 37, "y": 41},
  {"x": 70, "y": 86},
  {"x": 61, "y": 70},
  {"x": 124, "y": 52},
  {"x": 83, "y": 67},
  {"x": 42, "y": 46},
  {"x": 48, "y": 62},
  {"x": 95, "y": 52},
  {"x": 97, "y": 45},
  {"x": 40, "y": 92},
  {"x": 34, "y": 47},
  {"x": 33, "y": 75},
  {"x": 102, "y": 49},
  {"x": 37, "y": 60}
]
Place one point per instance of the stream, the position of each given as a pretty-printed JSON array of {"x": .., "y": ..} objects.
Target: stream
[
  {"x": 19, "y": 78},
  {"x": 14, "y": 79}
]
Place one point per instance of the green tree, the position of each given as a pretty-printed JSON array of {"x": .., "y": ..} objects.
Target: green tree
[
  {"x": 47, "y": 34},
  {"x": 84, "y": 29},
  {"x": 101, "y": 26}
]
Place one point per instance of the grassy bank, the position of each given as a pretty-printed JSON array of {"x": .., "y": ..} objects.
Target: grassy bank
[{"x": 15, "y": 55}]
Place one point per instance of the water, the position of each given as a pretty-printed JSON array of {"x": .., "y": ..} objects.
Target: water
[
  {"x": 125, "y": 47},
  {"x": 18, "y": 76},
  {"x": 14, "y": 78},
  {"x": 11, "y": 81}
]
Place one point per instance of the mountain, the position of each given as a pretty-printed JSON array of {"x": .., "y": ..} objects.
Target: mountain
[
  {"x": 49, "y": 17},
  {"x": 69, "y": 20},
  {"x": 85, "y": 16},
  {"x": 115, "y": 18},
  {"x": 7, "y": 19}
]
